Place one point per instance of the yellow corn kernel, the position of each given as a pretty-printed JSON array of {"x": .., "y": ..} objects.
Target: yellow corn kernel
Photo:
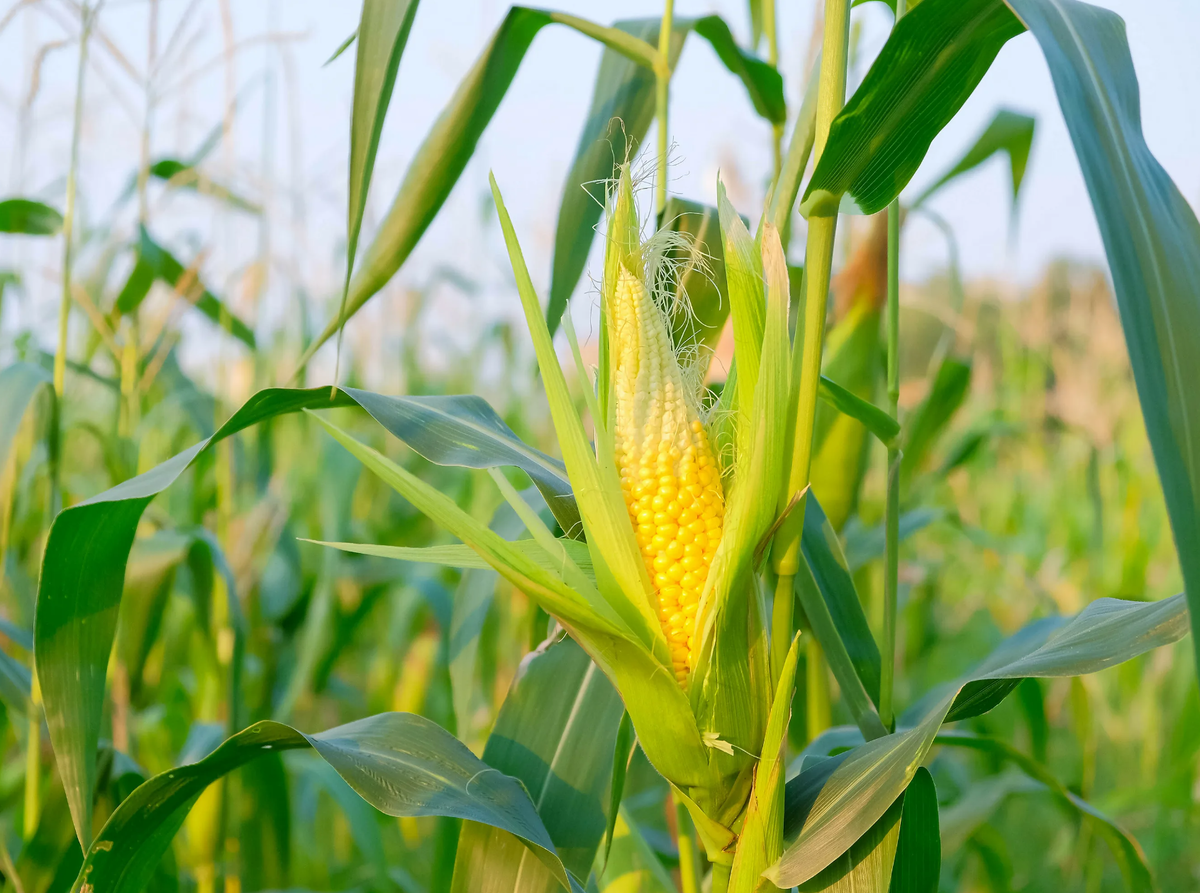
[{"x": 668, "y": 472}]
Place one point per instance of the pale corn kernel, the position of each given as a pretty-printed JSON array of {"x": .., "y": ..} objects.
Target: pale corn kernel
[{"x": 668, "y": 472}]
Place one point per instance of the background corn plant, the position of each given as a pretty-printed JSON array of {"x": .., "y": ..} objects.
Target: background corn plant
[{"x": 179, "y": 644}]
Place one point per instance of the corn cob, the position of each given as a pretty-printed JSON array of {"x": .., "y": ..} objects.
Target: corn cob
[{"x": 669, "y": 476}]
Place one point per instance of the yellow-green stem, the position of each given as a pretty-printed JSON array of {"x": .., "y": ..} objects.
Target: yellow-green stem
[
  {"x": 720, "y": 878},
  {"x": 781, "y": 623},
  {"x": 806, "y": 353},
  {"x": 662, "y": 95},
  {"x": 891, "y": 578},
  {"x": 689, "y": 862}
]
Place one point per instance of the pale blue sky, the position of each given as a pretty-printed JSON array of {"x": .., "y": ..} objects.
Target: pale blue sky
[{"x": 530, "y": 141}]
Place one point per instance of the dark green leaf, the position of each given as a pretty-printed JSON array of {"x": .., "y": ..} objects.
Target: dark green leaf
[
  {"x": 878, "y": 422},
  {"x": 931, "y": 63},
  {"x": 403, "y": 765},
  {"x": 27, "y": 217},
  {"x": 1152, "y": 240},
  {"x": 823, "y": 555},
  {"x": 919, "y": 851},
  {"x": 761, "y": 80},
  {"x": 1009, "y": 132},
  {"x": 622, "y": 755},
  {"x": 555, "y": 733}
]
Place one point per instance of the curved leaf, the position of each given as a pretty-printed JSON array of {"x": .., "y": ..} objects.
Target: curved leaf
[
  {"x": 1008, "y": 132},
  {"x": 83, "y": 567},
  {"x": 931, "y": 63},
  {"x": 874, "y": 419},
  {"x": 919, "y": 850},
  {"x": 29, "y": 218},
  {"x": 403, "y": 765},
  {"x": 870, "y": 777},
  {"x": 761, "y": 80},
  {"x": 1152, "y": 240}
]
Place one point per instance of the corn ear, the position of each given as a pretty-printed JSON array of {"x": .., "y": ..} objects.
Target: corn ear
[
  {"x": 622, "y": 249},
  {"x": 620, "y": 573}
]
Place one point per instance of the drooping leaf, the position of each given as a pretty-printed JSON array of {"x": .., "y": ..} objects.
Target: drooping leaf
[
  {"x": 1008, "y": 132},
  {"x": 1152, "y": 241},
  {"x": 155, "y": 262},
  {"x": 83, "y": 567},
  {"x": 451, "y": 142},
  {"x": 29, "y": 218},
  {"x": 403, "y": 765},
  {"x": 878, "y": 422},
  {"x": 555, "y": 733},
  {"x": 931, "y": 63},
  {"x": 761, "y": 80},
  {"x": 869, "y": 778}
]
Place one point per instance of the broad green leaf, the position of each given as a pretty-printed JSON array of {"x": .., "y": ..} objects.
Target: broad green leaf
[
  {"x": 155, "y": 262},
  {"x": 869, "y": 778},
  {"x": 632, "y": 866},
  {"x": 383, "y": 33},
  {"x": 449, "y": 145},
  {"x": 866, "y": 867},
  {"x": 29, "y": 218},
  {"x": 823, "y": 554},
  {"x": 1125, "y": 848},
  {"x": 83, "y": 570},
  {"x": 617, "y": 120},
  {"x": 931, "y": 63},
  {"x": 555, "y": 734},
  {"x": 931, "y": 417},
  {"x": 878, "y": 422},
  {"x": 919, "y": 850},
  {"x": 403, "y": 765},
  {"x": 1152, "y": 240},
  {"x": 19, "y": 384},
  {"x": 1008, "y": 132}
]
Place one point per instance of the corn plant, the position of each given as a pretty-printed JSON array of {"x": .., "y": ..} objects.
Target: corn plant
[{"x": 692, "y": 554}]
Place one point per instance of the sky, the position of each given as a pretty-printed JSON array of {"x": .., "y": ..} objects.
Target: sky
[{"x": 289, "y": 143}]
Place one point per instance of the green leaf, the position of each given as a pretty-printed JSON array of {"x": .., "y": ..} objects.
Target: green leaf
[
  {"x": 878, "y": 422},
  {"x": 919, "y": 850},
  {"x": 855, "y": 793},
  {"x": 867, "y": 864},
  {"x": 403, "y": 765},
  {"x": 342, "y": 47},
  {"x": 19, "y": 384},
  {"x": 617, "y": 120},
  {"x": 1125, "y": 848},
  {"x": 864, "y": 544},
  {"x": 383, "y": 30},
  {"x": 83, "y": 567},
  {"x": 622, "y": 755},
  {"x": 555, "y": 734},
  {"x": 931, "y": 63},
  {"x": 761, "y": 80},
  {"x": 460, "y": 556},
  {"x": 155, "y": 262},
  {"x": 1152, "y": 240},
  {"x": 930, "y": 419},
  {"x": 1008, "y": 132},
  {"x": 632, "y": 867},
  {"x": 449, "y": 145},
  {"x": 27, "y": 217},
  {"x": 823, "y": 554}
]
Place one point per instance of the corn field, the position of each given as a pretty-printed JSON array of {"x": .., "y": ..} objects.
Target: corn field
[{"x": 723, "y": 556}]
